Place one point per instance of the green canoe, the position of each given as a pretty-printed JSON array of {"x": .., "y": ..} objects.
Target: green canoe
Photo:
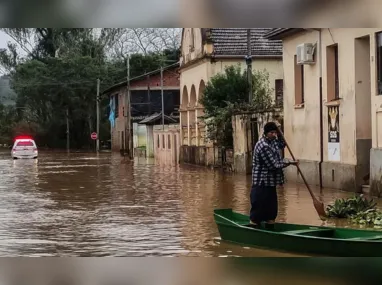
[{"x": 304, "y": 239}]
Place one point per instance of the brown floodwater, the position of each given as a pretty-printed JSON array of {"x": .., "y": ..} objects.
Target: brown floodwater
[{"x": 99, "y": 205}]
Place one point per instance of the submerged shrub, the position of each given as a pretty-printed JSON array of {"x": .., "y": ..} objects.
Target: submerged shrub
[{"x": 345, "y": 208}]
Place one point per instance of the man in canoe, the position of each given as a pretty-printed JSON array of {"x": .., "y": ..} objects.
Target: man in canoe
[{"x": 267, "y": 174}]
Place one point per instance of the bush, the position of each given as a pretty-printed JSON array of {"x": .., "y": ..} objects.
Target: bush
[
  {"x": 227, "y": 93},
  {"x": 346, "y": 208},
  {"x": 368, "y": 217},
  {"x": 357, "y": 209}
]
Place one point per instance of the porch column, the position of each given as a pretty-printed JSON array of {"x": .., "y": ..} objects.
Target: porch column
[
  {"x": 197, "y": 126},
  {"x": 188, "y": 128}
]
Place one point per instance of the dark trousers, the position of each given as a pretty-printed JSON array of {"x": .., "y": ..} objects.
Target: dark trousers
[{"x": 264, "y": 204}]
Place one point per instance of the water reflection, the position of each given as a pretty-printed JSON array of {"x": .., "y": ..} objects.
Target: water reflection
[{"x": 103, "y": 205}]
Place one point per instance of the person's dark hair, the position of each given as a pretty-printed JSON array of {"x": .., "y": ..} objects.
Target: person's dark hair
[{"x": 269, "y": 127}]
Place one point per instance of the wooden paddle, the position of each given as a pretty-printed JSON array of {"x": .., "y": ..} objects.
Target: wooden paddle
[{"x": 318, "y": 205}]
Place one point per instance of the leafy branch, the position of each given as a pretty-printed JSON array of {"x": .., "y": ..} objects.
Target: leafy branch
[{"x": 226, "y": 94}]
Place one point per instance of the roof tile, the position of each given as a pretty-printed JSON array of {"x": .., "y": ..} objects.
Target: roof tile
[{"x": 233, "y": 41}]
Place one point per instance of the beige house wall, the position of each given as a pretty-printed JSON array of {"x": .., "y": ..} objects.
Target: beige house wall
[
  {"x": 273, "y": 66},
  {"x": 357, "y": 105}
]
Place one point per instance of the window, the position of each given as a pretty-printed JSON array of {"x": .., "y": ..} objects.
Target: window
[
  {"x": 299, "y": 95},
  {"x": 192, "y": 40},
  {"x": 379, "y": 62},
  {"x": 279, "y": 92},
  {"x": 163, "y": 142},
  {"x": 332, "y": 72},
  {"x": 25, "y": 143},
  {"x": 169, "y": 142},
  {"x": 158, "y": 141}
]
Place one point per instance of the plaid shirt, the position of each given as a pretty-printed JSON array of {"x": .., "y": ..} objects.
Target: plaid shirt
[{"x": 267, "y": 163}]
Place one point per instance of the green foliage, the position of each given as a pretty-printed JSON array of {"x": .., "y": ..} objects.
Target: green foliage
[
  {"x": 228, "y": 87},
  {"x": 226, "y": 94},
  {"x": 357, "y": 209},
  {"x": 7, "y": 122},
  {"x": 7, "y": 95},
  {"x": 368, "y": 217},
  {"x": 345, "y": 208}
]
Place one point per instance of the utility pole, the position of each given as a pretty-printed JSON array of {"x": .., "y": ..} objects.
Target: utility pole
[
  {"x": 67, "y": 131},
  {"x": 97, "y": 100},
  {"x": 128, "y": 144},
  {"x": 161, "y": 87},
  {"x": 249, "y": 65},
  {"x": 148, "y": 94}
]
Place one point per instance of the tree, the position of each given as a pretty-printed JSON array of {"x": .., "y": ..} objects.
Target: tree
[
  {"x": 226, "y": 94},
  {"x": 7, "y": 122},
  {"x": 146, "y": 40}
]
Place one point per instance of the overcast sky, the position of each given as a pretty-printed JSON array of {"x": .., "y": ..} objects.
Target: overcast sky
[{"x": 4, "y": 38}]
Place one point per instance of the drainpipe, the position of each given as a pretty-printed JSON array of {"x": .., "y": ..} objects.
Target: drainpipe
[{"x": 321, "y": 108}]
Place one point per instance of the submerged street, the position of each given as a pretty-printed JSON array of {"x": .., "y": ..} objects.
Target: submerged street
[{"x": 89, "y": 205}]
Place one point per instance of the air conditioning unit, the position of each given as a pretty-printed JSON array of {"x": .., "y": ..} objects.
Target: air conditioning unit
[{"x": 305, "y": 53}]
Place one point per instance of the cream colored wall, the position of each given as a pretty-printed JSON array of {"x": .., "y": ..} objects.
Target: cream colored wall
[
  {"x": 273, "y": 66},
  {"x": 189, "y": 53},
  {"x": 363, "y": 88},
  {"x": 347, "y": 111},
  {"x": 204, "y": 70},
  {"x": 193, "y": 76},
  {"x": 302, "y": 125}
]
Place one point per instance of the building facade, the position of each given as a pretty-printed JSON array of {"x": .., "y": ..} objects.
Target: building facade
[
  {"x": 332, "y": 106},
  {"x": 207, "y": 52},
  {"x": 146, "y": 100}
]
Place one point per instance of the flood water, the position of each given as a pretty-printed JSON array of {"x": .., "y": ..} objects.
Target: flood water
[{"x": 99, "y": 205}]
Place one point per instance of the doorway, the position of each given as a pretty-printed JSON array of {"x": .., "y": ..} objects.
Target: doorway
[{"x": 363, "y": 106}]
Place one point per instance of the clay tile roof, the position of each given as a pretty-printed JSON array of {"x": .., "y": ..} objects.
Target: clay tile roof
[{"x": 233, "y": 41}]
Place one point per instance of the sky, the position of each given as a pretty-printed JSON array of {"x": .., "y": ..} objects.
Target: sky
[{"x": 4, "y": 38}]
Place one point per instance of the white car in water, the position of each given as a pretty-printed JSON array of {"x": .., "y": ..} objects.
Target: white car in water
[{"x": 24, "y": 147}]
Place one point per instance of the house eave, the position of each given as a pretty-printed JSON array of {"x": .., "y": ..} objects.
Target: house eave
[
  {"x": 226, "y": 56},
  {"x": 280, "y": 34}
]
